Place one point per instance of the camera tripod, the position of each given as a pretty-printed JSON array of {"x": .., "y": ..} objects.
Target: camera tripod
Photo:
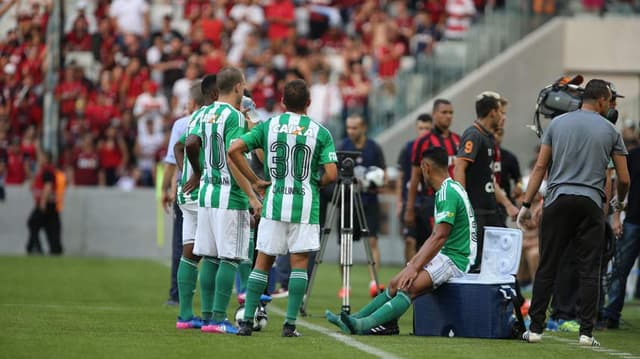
[{"x": 348, "y": 195}]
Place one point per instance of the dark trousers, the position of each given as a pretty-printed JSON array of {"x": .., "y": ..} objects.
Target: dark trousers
[
  {"x": 574, "y": 222},
  {"x": 484, "y": 218},
  {"x": 627, "y": 250},
  {"x": 49, "y": 219},
  {"x": 565, "y": 291},
  {"x": 176, "y": 251}
]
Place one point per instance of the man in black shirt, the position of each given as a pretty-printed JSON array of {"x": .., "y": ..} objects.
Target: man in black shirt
[
  {"x": 475, "y": 162},
  {"x": 627, "y": 246},
  {"x": 507, "y": 170}
]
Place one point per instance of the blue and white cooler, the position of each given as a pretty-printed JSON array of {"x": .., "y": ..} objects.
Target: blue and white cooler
[{"x": 475, "y": 305}]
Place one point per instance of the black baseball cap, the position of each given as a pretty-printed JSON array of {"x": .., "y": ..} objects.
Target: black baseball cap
[{"x": 614, "y": 91}]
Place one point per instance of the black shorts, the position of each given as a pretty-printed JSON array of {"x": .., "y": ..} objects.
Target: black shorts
[{"x": 424, "y": 223}]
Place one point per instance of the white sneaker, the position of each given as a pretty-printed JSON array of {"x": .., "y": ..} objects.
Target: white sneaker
[
  {"x": 531, "y": 337},
  {"x": 588, "y": 341}
]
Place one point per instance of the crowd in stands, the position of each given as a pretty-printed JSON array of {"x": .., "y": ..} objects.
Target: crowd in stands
[{"x": 114, "y": 123}]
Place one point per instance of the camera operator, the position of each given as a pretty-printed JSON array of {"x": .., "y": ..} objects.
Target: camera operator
[
  {"x": 371, "y": 156},
  {"x": 576, "y": 149}
]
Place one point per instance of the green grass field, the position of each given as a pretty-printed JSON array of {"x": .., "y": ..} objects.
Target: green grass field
[{"x": 106, "y": 308}]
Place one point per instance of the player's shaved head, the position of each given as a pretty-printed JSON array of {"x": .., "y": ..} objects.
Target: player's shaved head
[
  {"x": 228, "y": 78},
  {"x": 296, "y": 95}
]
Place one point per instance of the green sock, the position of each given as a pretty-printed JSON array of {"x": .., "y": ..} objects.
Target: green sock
[
  {"x": 208, "y": 273},
  {"x": 297, "y": 287},
  {"x": 224, "y": 284},
  {"x": 255, "y": 286},
  {"x": 373, "y": 305},
  {"x": 245, "y": 267},
  {"x": 393, "y": 309},
  {"x": 187, "y": 278}
]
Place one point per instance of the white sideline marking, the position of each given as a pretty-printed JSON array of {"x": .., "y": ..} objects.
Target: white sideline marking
[
  {"x": 603, "y": 350},
  {"x": 63, "y": 306},
  {"x": 337, "y": 336}
]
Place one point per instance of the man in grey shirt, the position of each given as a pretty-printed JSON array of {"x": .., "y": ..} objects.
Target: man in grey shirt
[{"x": 575, "y": 150}]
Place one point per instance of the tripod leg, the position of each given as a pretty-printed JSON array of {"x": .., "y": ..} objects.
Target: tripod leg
[
  {"x": 364, "y": 230},
  {"x": 346, "y": 243},
  {"x": 324, "y": 237}
]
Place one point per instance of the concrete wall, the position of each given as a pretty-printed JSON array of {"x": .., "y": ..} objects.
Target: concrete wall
[
  {"x": 518, "y": 74},
  {"x": 112, "y": 223},
  {"x": 95, "y": 222}
]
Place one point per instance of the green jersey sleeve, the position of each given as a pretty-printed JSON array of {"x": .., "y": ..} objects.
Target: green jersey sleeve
[
  {"x": 328, "y": 152},
  {"x": 196, "y": 130},
  {"x": 255, "y": 138},
  {"x": 445, "y": 209},
  {"x": 233, "y": 129}
]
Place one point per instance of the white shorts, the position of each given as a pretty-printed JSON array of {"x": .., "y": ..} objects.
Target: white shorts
[
  {"x": 222, "y": 233},
  {"x": 189, "y": 222},
  {"x": 441, "y": 269},
  {"x": 279, "y": 238}
]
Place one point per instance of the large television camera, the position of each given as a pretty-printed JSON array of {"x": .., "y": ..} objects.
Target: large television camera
[{"x": 562, "y": 96}]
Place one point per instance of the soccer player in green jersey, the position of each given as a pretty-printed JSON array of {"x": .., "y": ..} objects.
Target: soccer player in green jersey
[
  {"x": 203, "y": 93},
  {"x": 447, "y": 253},
  {"x": 295, "y": 147},
  {"x": 222, "y": 234}
]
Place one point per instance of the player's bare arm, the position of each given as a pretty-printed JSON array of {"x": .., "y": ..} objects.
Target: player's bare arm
[
  {"x": 502, "y": 198},
  {"x": 427, "y": 252},
  {"x": 193, "y": 145},
  {"x": 245, "y": 186},
  {"x": 330, "y": 174},
  {"x": 178, "y": 152},
  {"x": 459, "y": 172},
  {"x": 235, "y": 156},
  {"x": 168, "y": 192}
]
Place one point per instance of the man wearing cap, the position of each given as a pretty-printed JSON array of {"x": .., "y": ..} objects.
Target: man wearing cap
[{"x": 575, "y": 151}]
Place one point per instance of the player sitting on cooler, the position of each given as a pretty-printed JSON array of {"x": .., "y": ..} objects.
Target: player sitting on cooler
[{"x": 447, "y": 253}]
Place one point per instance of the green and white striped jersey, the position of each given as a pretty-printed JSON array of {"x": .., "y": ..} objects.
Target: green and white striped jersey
[
  {"x": 220, "y": 124},
  {"x": 295, "y": 148},
  {"x": 192, "y": 197}
]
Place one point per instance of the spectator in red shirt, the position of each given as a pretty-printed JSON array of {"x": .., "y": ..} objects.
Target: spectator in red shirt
[
  {"x": 211, "y": 26},
  {"x": 113, "y": 155},
  {"x": 212, "y": 59},
  {"x": 68, "y": 91},
  {"x": 85, "y": 169},
  {"x": 30, "y": 146},
  {"x": 133, "y": 83},
  {"x": 354, "y": 87},
  {"x": 17, "y": 168},
  {"x": 78, "y": 39},
  {"x": 280, "y": 16},
  {"x": 101, "y": 112},
  {"x": 104, "y": 48},
  {"x": 389, "y": 54}
]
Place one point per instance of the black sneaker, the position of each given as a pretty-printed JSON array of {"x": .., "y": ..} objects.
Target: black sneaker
[
  {"x": 289, "y": 330},
  {"x": 245, "y": 328},
  {"x": 388, "y": 328}
]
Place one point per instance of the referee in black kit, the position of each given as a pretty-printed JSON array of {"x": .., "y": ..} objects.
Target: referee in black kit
[{"x": 576, "y": 149}]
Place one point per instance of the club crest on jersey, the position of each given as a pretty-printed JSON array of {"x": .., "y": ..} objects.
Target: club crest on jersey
[
  {"x": 292, "y": 130},
  {"x": 211, "y": 118}
]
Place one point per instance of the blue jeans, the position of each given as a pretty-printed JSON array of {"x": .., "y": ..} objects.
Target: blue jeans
[{"x": 627, "y": 250}]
